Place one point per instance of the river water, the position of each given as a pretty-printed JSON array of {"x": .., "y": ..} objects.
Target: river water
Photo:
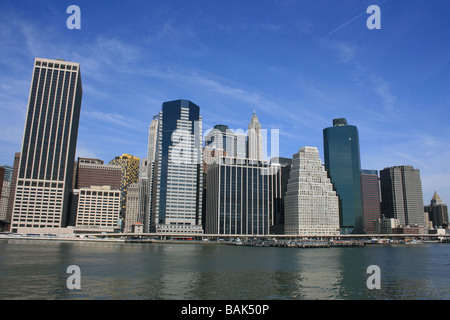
[{"x": 37, "y": 269}]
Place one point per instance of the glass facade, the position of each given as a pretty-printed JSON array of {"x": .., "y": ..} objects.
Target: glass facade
[
  {"x": 342, "y": 161},
  {"x": 242, "y": 196},
  {"x": 178, "y": 181}
]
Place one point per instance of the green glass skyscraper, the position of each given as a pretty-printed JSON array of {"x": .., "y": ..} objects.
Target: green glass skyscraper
[{"x": 342, "y": 161}]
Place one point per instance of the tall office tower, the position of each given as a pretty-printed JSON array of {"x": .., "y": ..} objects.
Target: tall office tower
[
  {"x": 370, "y": 193},
  {"x": 285, "y": 168},
  {"x": 438, "y": 212},
  {"x": 93, "y": 172},
  {"x": 48, "y": 149},
  {"x": 401, "y": 195},
  {"x": 221, "y": 137},
  {"x": 151, "y": 158},
  {"x": 255, "y": 139},
  {"x": 178, "y": 172},
  {"x": 342, "y": 161},
  {"x": 12, "y": 189},
  {"x": 152, "y": 140},
  {"x": 130, "y": 174},
  {"x": 311, "y": 204},
  {"x": 241, "y": 196}
]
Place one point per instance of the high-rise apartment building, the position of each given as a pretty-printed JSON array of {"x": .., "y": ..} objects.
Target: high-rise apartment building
[
  {"x": 129, "y": 174},
  {"x": 178, "y": 171},
  {"x": 342, "y": 161},
  {"x": 370, "y": 193},
  {"x": 311, "y": 204},
  {"x": 255, "y": 139},
  {"x": 242, "y": 196},
  {"x": 47, "y": 158},
  {"x": 437, "y": 212},
  {"x": 401, "y": 195}
]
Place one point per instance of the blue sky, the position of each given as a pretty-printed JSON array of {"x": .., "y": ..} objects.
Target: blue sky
[{"x": 298, "y": 63}]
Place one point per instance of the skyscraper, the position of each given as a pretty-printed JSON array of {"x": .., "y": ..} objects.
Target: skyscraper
[
  {"x": 48, "y": 149},
  {"x": 130, "y": 174},
  {"x": 370, "y": 193},
  {"x": 221, "y": 137},
  {"x": 178, "y": 172},
  {"x": 152, "y": 140},
  {"x": 438, "y": 211},
  {"x": 311, "y": 204},
  {"x": 342, "y": 161},
  {"x": 401, "y": 195},
  {"x": 255, "y": 139},
  {"x": 241, "y": 196}
]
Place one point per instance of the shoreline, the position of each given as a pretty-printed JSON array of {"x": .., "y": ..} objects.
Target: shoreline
[{"x": 239, "y": 244}]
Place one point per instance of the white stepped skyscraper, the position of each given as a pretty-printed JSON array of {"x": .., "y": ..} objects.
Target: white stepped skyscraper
[
  {"x": 311, "y": 204},
  {"x": 255, "y": 139}
]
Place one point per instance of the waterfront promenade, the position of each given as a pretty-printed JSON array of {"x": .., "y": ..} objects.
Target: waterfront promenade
[{"x": 306, "y": 241}]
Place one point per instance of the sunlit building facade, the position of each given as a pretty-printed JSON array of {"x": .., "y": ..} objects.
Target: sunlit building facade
[
  {"x": 45, "y": 172},
  {"x": 311, "y": 204}
]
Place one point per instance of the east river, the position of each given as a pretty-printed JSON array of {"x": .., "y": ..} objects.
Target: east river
[{"x": 36, "y": 269}]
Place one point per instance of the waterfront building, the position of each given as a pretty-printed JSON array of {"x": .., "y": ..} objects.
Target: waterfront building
[
  {"x": 255, "y": 139},
  {"x": 137, "y": 227},
  {"x": 401, "y": 195},
  {"x": 129, "y": 165},
  {"x": 437, "y": 212},
  {"x": 178, "y": 170},
  {"x": 241, "y": 196},
  {"x": 45, "y": 174},
  {"x": 311, "y": 204},
  {"x": 93, "y": 172},
  {"x": 98, "y": 209},
  {"x": 342, "y": 161},
  {"x": 370, "y": 195}
]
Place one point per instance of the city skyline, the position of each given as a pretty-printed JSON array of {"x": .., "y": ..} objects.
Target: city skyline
[{"x": 390, "y": 83}]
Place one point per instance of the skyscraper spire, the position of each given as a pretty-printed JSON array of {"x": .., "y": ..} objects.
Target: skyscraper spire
[{"x": 255, "y": 140}]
